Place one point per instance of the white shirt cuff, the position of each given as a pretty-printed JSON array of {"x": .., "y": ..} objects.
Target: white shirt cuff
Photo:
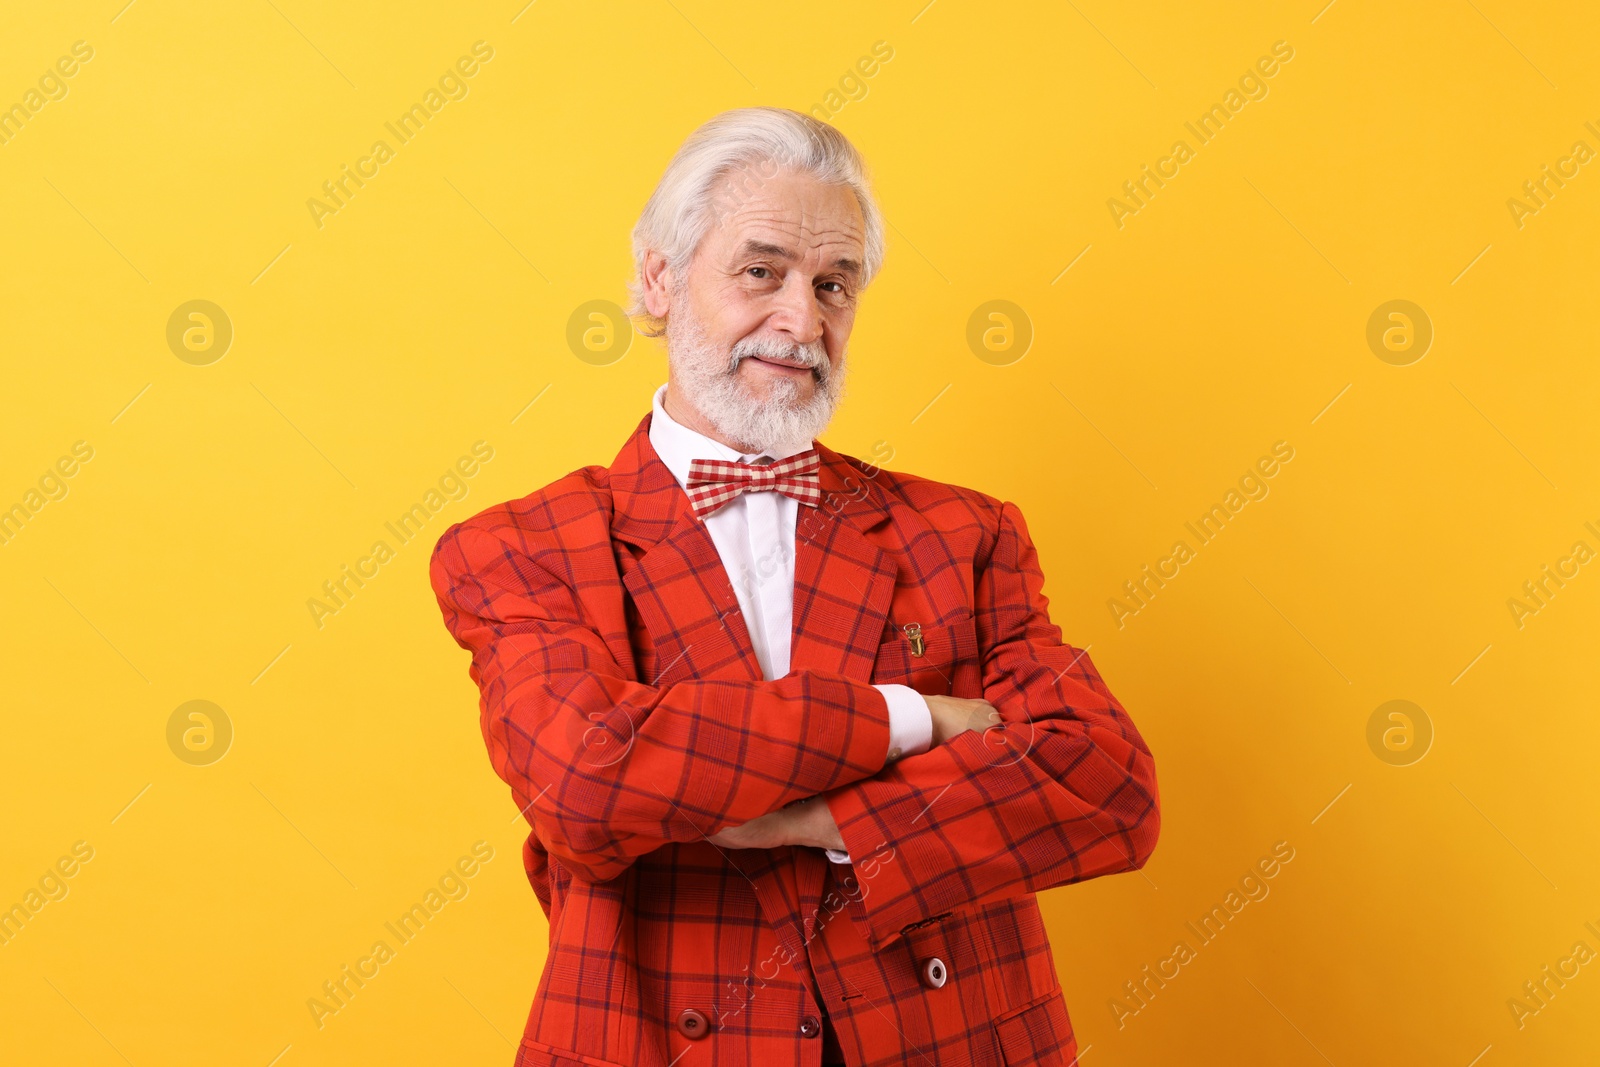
[
  {"x": 910, "y": 721},
  {"x": 910, "y": 732}
]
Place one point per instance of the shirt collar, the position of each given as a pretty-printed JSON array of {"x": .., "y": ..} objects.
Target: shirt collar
[{"x": 678, "y": 446}]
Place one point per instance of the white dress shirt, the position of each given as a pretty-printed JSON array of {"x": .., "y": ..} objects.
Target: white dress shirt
[{"x": 754, "y": 536}]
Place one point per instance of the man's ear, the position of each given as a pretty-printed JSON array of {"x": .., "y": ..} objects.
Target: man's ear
[{"x": 657, "y": 279}]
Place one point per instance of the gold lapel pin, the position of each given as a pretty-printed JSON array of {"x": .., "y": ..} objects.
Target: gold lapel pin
[{"x": 913, "y": 632}]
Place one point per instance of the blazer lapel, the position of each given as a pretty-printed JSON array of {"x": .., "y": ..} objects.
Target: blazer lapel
[
  {"x": 679, "y": 582},
  {"x": 843, "y": 583}
]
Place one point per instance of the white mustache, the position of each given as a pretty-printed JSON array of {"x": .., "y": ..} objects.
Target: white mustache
[{"x": 810, "y": 356}]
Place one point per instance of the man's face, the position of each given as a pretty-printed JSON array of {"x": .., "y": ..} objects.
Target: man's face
[{"x": 759, "y": 323}]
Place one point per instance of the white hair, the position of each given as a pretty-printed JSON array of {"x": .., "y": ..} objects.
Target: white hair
[{"x": 760, "y": 142}]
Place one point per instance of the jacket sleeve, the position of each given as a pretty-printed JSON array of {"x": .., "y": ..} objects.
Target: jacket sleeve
[
  {"x": 1061, "y": 790},
  {"x": 607, "y": 769}
]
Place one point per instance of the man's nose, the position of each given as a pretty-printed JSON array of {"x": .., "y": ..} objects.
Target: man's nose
[{"x": 798, "y": 313}]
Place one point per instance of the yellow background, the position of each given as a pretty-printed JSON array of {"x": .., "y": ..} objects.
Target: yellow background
[{"x": 426, "y": 314}]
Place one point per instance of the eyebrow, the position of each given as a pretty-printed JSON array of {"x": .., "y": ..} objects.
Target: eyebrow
[{"x": 753, "y": 247}]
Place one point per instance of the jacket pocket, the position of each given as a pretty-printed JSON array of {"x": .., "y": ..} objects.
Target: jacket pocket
[
  {"x": 947, "y": 662},
  {"x": 538, "y": 1054},
  {"x": 1039, "y": 1035}
]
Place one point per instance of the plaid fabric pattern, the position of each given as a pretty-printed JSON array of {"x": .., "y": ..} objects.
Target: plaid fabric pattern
[
  {"x": 714, "y": 482},
  {"x": 622, "y": 702}
]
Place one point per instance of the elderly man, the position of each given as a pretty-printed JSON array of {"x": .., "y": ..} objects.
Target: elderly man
[{"x": 795, "y": 735}]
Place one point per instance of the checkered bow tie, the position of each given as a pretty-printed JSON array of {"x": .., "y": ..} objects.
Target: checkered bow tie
[{"x": 714, "y": 482}]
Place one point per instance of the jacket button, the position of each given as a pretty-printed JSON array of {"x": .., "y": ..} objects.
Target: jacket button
[
  {"x": 934, "y": 972},
  {"x": 692, "y": 1024},
  {"x": 810, "y": 1027}
]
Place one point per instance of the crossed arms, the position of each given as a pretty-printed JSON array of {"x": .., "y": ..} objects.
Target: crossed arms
[{"x": 607, "y": 769}]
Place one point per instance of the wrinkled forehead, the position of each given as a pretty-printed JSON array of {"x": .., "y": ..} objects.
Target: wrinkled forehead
[{"x": 787, "y": 214}]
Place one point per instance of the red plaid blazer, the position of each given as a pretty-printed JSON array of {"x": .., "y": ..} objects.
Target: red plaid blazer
[{"x": 624, "y": 705}]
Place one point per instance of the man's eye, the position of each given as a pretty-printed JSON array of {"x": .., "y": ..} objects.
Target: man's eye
[{"x": 759, "y": 272}]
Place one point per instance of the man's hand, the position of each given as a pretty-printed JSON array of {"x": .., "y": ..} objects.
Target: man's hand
[
  {"x": 807, "y": 822},
  {"x": 954, "y": 716}
]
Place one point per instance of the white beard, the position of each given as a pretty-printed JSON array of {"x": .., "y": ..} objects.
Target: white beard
[{"x": 708, "y": 379}]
